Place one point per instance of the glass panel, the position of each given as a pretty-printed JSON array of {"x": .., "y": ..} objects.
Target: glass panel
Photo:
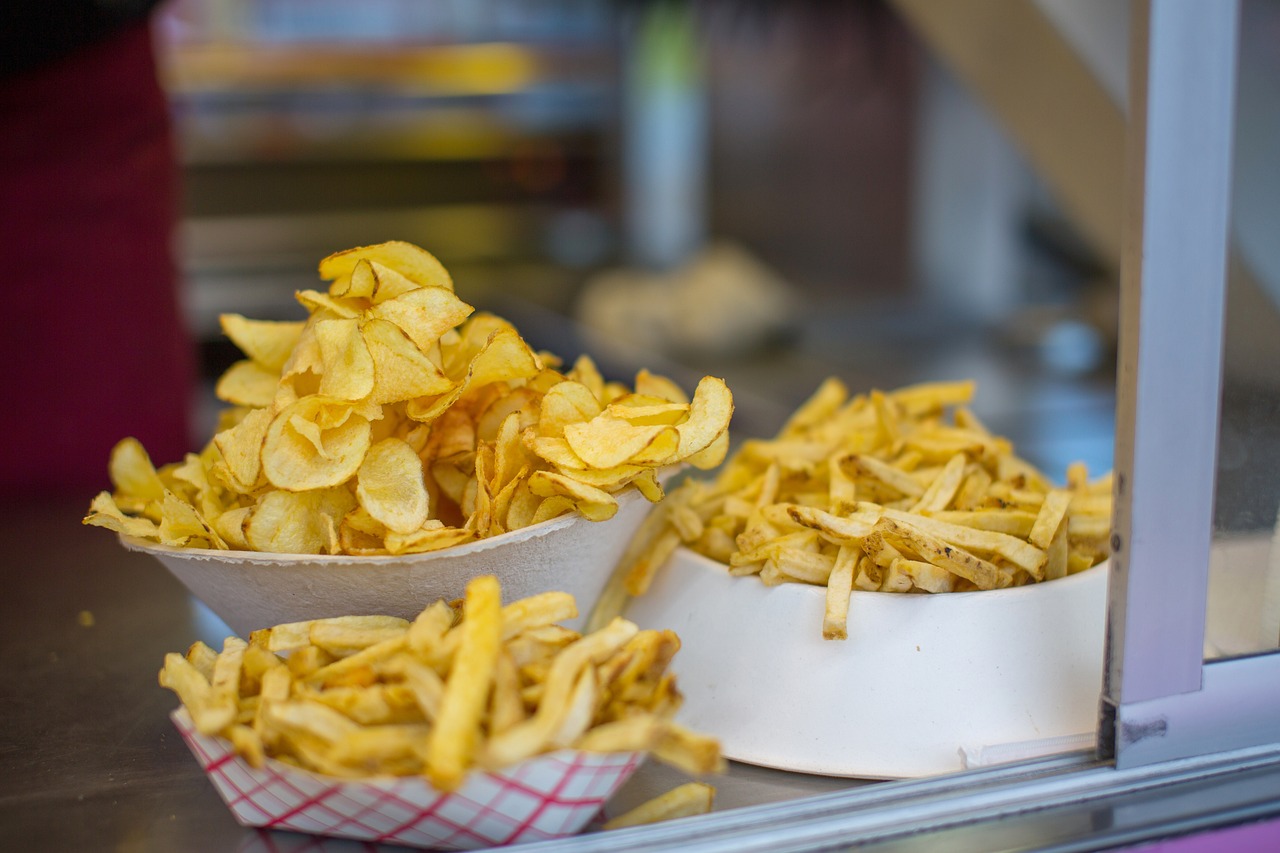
[{"x": 1244, "y": 584}]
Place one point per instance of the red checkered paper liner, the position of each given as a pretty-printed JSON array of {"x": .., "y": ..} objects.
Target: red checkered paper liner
[{"x": 549, "y": 796}]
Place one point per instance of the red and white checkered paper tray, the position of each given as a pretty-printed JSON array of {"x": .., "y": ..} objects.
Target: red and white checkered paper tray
[{"x": 549, "y": 796}]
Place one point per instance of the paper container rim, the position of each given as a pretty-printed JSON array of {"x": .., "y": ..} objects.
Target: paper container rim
[
  {"x": 268, "y": 558},
  {"x": 565, "y": 762}
]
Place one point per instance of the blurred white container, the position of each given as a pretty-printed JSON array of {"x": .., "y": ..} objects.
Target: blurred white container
[{"x": 922, "y": 684}]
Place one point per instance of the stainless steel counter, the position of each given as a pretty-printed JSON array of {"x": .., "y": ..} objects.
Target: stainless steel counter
[{"x": 88, "y": 757}]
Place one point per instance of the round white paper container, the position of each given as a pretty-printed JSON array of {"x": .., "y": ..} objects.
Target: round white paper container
[
  {"x": 920, "y": 680},
  {"x": 251, "y": 590},
  {"x": 548, "y": 796}
]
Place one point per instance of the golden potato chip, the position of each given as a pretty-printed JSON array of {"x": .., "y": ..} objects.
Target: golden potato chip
[
  {"x": 286, "y": 522},
  {"x": 401, "y": 371},
  {"x": 424, "y": 314},
  {"x": 653, "y": 385},
  {"x": 607, "y": 442},
  {"x": 299, "y": 454},
  {"x": 391, "y": 357},
  {"x": 427, "y": 538},
  {"x": 566, "y": 403},
  {"x": 132, "y": 473},
  {"x": 346, "y": 363},
  {"x": 241, "y": 449},
  {"x": 409, "y": 260},
  {"x": 103, "y": 512},
  {"x": 390, "y": 487},
  {"x": 266, "y": 342},
  {"x": 181, "y": 525},
  {"x": 504, "y": 357},
  {"x": 709, "y": 416},
  {"x": 323, "y": 306},
  {"x": 247, "y": 383},
  {"x": 595, "y": 504}
]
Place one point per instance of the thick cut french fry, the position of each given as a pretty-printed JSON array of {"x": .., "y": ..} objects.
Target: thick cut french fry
[
  {"x": 691, "y": 798},
  {"x": 950, "y": 557},
  {"x": 461, "y": 686},
  {"x": 968, "y": 513},
  {"x": 839, "y": 585},
  {"x": 454, "y": 738},
  {"x": 531, "y": 736}
]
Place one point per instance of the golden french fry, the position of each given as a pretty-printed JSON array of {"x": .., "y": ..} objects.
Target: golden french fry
[
  {"x": 928, "y": 499},
  {"x": 691, "y": 798},
  {"x": 346, "y": 635},
  {"x": 456, "y": 734},
  {"x": 439, "y": 696},
  {"x": 1052, "y": 512},
  {"x": 532, "y": 735},
  {"x": 839, "y": 586},
  {"x": 196, "y": 694}
]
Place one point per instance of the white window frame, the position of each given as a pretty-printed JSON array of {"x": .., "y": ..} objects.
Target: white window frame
[{"x": 1161, "y": 699}]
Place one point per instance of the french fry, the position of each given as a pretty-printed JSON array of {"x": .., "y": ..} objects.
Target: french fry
[
  {"x": 691, "y": 798},
  {"x": 839, "y": 585},
  {"x": 943, "y": 555},
  {"x": 444, "y": 694},
  {"x": 924, "y": 496},
  {"x": 531, "y": 736},
  {"x": 456, "y": 734},
  {"x": 1052, "y": 512}
]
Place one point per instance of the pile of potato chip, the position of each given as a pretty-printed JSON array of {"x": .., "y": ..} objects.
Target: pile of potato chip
[
  {"x": 466, "y": 685},
  {"x": 396, "y": 420},
  {"x": 893, "y": 492}
]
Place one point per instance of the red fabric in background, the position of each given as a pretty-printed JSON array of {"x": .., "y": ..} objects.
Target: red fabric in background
[{"x": 93, "y": 346}]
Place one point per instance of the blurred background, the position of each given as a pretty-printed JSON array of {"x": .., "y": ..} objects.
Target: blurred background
[
  {"x": 772, "y": 192},
  {"x": 889, "y": 191}
]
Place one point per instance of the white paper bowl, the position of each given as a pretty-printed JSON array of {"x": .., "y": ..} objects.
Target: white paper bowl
[
  {"x": 921, "y": 678},
  {"x": 251, "y": 590},
  {"x": 549, "y": 796}
]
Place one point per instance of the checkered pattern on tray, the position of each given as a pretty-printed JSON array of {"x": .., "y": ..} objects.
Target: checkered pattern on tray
[{"x": 550, "y": 796}]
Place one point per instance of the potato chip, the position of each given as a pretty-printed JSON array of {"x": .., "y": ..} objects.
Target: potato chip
[
  {"x": 409, "y": 260},
  {"x": 103, "y": 512},
  {"x": 607, "y": 442},
  {"x": 390, "y": 487},
  {"x": 347, "y": 364},
  {"x": 133, "y": 474},
  {"x": 296, "y": 522},
  {"x": 300, "y": 454},
  {"x": 709, "y": 416},
  {"x": 424, "y": 314},
  {"x": 267, "y": 343},
  {"x": 564, "y": 404},
  {"x": 247, "y": 383},
  {"x": 241, "y": 449},
  {"x": 390, "y": 357}
]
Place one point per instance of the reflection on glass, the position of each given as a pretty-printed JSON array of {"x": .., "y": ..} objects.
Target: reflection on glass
[{"x": 1244, "y": 587}]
